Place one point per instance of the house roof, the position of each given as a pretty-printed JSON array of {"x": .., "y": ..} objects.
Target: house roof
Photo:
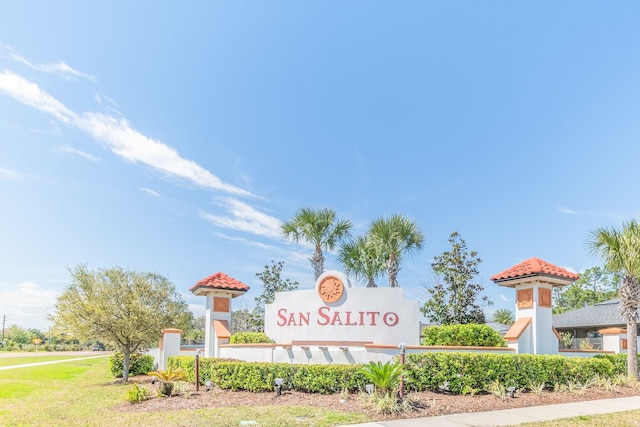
[
  {"x": 602, "y": 314},
  {"x": 218, "y": 281},
  {"x": 534, "y": 267},
  {"x": 499, "y": 327}
]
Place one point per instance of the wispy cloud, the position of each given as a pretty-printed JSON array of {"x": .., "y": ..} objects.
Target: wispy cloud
[
  {"x": 243, "y": 217},
  {"x": 126, "y": 142},
  {"x": 503, "y": 298},
  {"x": 248, "y": 242},
  {"x": 83, "y": 154},
  {"x": 30, "y": 94},
  {"x": 117, "y": 135},
  {"x": 567, "y": 211},
  {"x": 60, "y": 67},
  {"x": 611, "y": 215},
  {"x": 7, "y": 173},
  {"x": 149, "y": 191}
]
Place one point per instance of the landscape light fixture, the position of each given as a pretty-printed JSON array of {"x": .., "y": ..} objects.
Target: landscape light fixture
[
  {"x": 207, "y": 384},
  {"x": 197, "y": 369},
  {"x": 511, "y": 391},
  {"x": 279, "y": 382},
  {"x": 403, "y": 348},
  {"x": 369, "y": 388}
]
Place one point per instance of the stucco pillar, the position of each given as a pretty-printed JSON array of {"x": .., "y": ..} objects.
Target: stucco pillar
[
  {"x": 169, "y": 346},
  {"x": 533, "y": 281},
  {"x": 218, "y": 318}
]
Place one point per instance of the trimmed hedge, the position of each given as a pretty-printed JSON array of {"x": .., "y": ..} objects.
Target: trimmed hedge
[
  {"x": 457, "y": 373},
  {"x": 139, "y": 364},
  {"x": 461, "y": 373},
  {"x": 249, "y": 338},
  {"x": 260, "y": 377},
  {"x": 463, "y": 335}
]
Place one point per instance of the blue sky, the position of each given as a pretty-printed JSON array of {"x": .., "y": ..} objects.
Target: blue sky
[{"x": 176, "y": 138}]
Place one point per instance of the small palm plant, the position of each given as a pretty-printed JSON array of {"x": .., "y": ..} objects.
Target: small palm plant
[
  {"x": 167, "y": 379},
  {"x": 385, "y": 377}
]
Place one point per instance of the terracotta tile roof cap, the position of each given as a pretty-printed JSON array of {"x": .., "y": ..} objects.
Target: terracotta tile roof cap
[
  {"x": 517, "y": 329},
  {"x": 534, "y": 267},
  {"x": 220, "y": 281}
]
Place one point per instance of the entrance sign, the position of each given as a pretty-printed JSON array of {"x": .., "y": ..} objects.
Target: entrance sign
[{"x": 336, "y": 312}]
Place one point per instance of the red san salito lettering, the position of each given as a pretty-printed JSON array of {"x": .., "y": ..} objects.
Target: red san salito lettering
[
  {"x": 324, "y": 316},
  {"x": 336, "y": 319},
  {"x": 390, "y": 319},
  {"x": 292, "y": 319},
  {"x": 373, "y": 315},
  {"x": 304, "y": 320},
  {"x": 349, "y": 322},
  {"x": 282, "y": 316}
]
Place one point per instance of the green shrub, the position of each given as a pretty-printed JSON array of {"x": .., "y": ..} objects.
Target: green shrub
[
  {"x": 260, "y": 377},
  {"x": 168, "y": 378},
  {"x": 459, "y": 373},
  {"x": 463, "y": 335},
  {"x": 249, "y": 338},
  {"x": 139, "y": 364},
  {"x": 384, "y": 376},
  {"x": 137, "y": 394},
  {"x": 566, "y": 339},
  {"x": 619, "y": 362}
]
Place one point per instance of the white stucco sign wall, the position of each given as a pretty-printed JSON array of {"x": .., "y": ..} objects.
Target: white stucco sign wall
[{"x": 336, "y": 312}]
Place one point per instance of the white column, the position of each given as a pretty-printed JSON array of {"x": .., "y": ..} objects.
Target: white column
[
  {"x": 171, "y": 346},
  {"x": 209, "y": 333}
]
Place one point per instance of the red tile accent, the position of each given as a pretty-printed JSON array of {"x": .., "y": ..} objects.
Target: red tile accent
[
  {"x": 517, "y": 328},
  {"x": 532, "y": 267},
  {"x": 612, "y": 331},
  {"x": 222, "y": 328},
  {"x": 220, "y": 281}
]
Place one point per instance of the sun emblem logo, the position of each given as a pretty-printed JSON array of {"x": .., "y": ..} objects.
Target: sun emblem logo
[{"x": 330, "y": 289}]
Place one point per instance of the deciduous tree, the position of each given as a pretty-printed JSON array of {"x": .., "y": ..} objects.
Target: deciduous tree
[
  {"x": 454, "y": 298},
  {"x": 595, "y": 284},
  {"x": 245, "y": 320},
  {"x": 122, "y": 308},
  {"x": 272, "y": 282}
]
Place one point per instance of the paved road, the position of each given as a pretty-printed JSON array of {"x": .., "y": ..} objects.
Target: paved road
[{"x": 50, "y": 362}]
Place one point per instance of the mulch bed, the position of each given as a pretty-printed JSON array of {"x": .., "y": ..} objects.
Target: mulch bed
[{"x": 424, "y": 404}]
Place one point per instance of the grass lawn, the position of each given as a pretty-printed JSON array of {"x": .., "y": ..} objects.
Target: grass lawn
[{"x": 83, "y": 393}]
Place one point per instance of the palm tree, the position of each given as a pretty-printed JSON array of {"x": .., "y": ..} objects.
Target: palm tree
[
  {"x": 620, "y": 249},
  {"x": 393, "y": 238},
  {"x": 504, "y": 316},
  {"x": 359, "y": 258},
  {"x": 319, "y": 227}
]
